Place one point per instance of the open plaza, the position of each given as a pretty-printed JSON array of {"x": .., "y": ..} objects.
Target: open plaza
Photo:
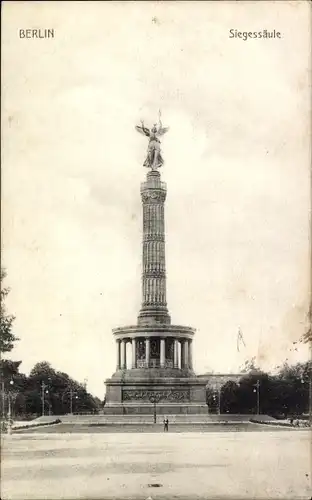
[{"x": 209, "y": 462}]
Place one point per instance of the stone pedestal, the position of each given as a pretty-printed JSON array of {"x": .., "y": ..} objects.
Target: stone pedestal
[{"x": 162, "y": 392}]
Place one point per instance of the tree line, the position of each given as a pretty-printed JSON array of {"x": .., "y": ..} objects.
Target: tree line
[
  {"x": 284, "y": 394},
  {"x": 45, "y": 391}
]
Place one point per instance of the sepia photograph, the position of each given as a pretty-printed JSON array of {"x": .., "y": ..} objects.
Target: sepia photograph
[{"x": 156, "y": 250}]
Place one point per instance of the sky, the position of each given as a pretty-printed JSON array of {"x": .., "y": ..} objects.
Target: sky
[{"x": 237, "y": 168}]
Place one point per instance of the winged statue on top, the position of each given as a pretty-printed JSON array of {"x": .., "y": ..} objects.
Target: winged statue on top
[{"x": 154, "y": 159}]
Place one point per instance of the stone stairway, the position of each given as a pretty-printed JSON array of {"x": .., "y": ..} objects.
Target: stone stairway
[{"x": 148, "y": 419}]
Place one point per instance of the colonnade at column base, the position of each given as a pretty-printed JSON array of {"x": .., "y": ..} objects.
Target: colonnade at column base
[
  {"x": 159, "y": 371},
  {"x": 154, "y": 346}
]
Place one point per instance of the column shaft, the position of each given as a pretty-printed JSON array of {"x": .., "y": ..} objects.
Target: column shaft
[
  {"x": 123, "y": 355},
  {"x": 118, "y": 354},
  {"x": 162, "y": 352},
  {"x": 190, "y": 357},
  {"x": 154, "y": 305},
  {"x": 185, "y": 356},
  {"x": 175, "y": 354},
  {"x": 147, "y": 352},
  {"x": 133, "y": 353}
]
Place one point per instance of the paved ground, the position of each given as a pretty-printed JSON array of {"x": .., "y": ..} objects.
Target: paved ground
[
  {"x": 150, "y": 428},
  {"x": 170, "y": 465}
]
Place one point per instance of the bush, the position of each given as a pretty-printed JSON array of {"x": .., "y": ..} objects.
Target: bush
[
  {"x": 29, "y": 426},
  {"x": 271, "y": 422}
]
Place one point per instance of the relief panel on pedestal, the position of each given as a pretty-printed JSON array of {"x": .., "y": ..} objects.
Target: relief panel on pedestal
[{"x": 165, "y": 395}]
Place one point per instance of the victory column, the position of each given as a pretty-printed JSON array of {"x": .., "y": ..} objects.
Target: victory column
[{"x": 161, "y": 363}]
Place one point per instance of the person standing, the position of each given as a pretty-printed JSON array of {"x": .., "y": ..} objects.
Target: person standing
[{"x": 166, "y": 424}]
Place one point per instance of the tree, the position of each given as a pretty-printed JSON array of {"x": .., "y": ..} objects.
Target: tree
[
  {"x": 229, "y": 397},
  {"x": 42, "y": 370},
  {"x": 297, "y": 379},
  {"x": 211, "y": 398},
  {"x": 7, "y": 337},
  {"x": 9, "y": 369},
  {"x": 249, "y": 365},
  {"x": 13, "y": 385},
  {"x": 286, "y": 393},
  {"x": 279, "y": 397},
  {"x": 247, "y": 393}
]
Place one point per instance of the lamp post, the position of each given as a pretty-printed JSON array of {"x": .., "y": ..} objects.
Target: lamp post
[
  {"x": 309, "y": 395},
  {"x": 71, "y": 399},
  {"x": 257, "y": 390},
  {"x": 10, "y": 409},
  {"x": 303, "y": 407},
  {"x": 71, "y": 393},
  {"x": 310, "y": 399},
  {"x": 153, "y": 400},
  {"x": 3, "y": 399},
  {"x": 207, "y": 397},
  {"x": 219, "y": 400},
  {"x": 44, "y": 391},
  {"x": 214, "y": 398}
]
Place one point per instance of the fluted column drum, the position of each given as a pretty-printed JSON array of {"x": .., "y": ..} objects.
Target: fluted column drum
[{"x": 154, "y": 301}]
